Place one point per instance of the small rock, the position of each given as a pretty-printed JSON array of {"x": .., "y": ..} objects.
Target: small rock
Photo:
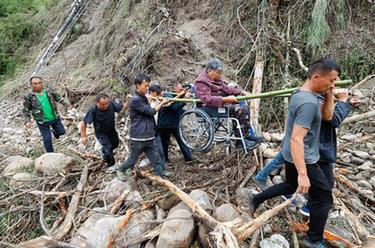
[
  {"x": 275, "y": 241},
  {"x": 53, "y": 163},
  {"x": 116, "y": 187},
  {"x": 372, "y": 181},
  {"x": 133, "y": 199},
  {"x": 364, "y": 184},
  {"x": 169, "y": 202},
  {"x": 270, "y": 153},
  {"x": 277, "y": 137},
  {"x": 361, "y": 154},
  {"x": 138, "y": 225},
  {"x": 178, "y": 231},
  {"x": 267, "y": 136},
  {"x": 350, "y": 137},
  {"x": 160, "y": 214},
  {"x": 365, "y": 166},
  {"x": 267, "y": 229},
  {"x": 22, "y": 179},
  {"x": 357, "y": 160},
  {"x": 18, "y": 166},
  {"x": 370, "y": 146},
  {"x": 202, "y": 198},
  {"x": 277, "y": 180},
  {"x": 366, "y": 192},
  {"x": 225, "y": 213},
  {"x": 243, "y": 198}
]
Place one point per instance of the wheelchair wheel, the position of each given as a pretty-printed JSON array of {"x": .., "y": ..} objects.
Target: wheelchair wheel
[{"x": 196, "y": 130}]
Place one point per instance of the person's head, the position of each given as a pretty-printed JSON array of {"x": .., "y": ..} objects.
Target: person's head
[
  {"x": 102, "y": 101},
  {"x": 214, "y": 69},
  {"x": 322, "y": 74},
  {"x": 36, "y": 83},
  {"x": 142, "y": 83},
  {"x": 177, "y": 87},
  {"x": 155, "y": 90}
]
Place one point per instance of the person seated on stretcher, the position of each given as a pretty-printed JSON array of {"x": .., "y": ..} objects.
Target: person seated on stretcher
[{"x": 214, "y": 92}]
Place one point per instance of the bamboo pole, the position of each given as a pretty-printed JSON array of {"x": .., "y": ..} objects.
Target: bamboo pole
[{"x": 275, "y": 93}]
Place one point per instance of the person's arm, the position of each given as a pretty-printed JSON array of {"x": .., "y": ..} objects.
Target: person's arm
[
  {"x": 298, "y": 156},
  {"x": 83, "y": 132},
  {"x": 58, "y": 98},
  {"x": 88, "y": 119},
  {"x": 139, "y": 105},
  {"x": 118, "y": 106},
  {"x": 328, "y": 106},
  {"x": 26, "y": 112}
]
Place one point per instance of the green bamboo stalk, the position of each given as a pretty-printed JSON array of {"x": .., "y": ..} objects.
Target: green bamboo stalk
[{"x": 275, "y": 93}]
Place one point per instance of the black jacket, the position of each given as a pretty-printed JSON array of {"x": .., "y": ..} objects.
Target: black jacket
[
  {"x": 142, "y": 123},
  {"x": 328, "y": 141},
  {"x": 169, "y": 117}
]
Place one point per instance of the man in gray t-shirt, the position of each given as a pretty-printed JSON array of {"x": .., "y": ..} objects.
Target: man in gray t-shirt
[
  {"x": 304, "y": 111},
  {"x": 300, "y": 149}
]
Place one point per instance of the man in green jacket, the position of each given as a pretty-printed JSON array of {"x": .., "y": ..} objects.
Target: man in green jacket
[{"x": 41, "y": 104}]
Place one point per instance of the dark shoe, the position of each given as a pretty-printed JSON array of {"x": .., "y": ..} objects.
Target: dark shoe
[
  {"x": 191, "y": 161},
  {"x": 250, "y": 145},
  {"x": 317, "y": 244},
  {"x": 263, "y": 185},
  {"x": 55, "y": 134},
  {"x": 255, "y": 138},
  {"x": 252, "y": 206},
  {"x": 287, "y": 197}
]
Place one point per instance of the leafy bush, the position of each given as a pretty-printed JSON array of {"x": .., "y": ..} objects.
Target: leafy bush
[{"x": 21, "y": 24}]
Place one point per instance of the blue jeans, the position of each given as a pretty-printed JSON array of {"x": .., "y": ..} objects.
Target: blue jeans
[
  {"x": 45, "y": 130},
  {"x": 274, "y": 164},
  {"x": 109, "y": 142},
  {"x": 150, "y": 148}
]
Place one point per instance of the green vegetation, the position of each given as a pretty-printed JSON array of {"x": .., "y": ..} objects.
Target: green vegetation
[{"x": 21, "y": 24}]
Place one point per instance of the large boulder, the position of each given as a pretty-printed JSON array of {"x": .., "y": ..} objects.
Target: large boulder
[
  {"x": 53, "y": 163},
  {"x": 177, "y": 231},
  {"x": 138, "y": 225},
  {"x": 225, "y": 212},
  {"x": 115, "y": 188},
  {"x": 200, "y": 197},
  {"x": 22, "y": 179},
  {"x": 8, "y": 161},
  {"x": 95, "y": 231},
  {"x": 19, "y": 165}
]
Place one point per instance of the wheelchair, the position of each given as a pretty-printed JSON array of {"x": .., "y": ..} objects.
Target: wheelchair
[{"x": 201, "y": 126}]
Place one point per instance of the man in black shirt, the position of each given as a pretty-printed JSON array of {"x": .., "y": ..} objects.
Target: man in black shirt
[{"x": 102, "y": 114}]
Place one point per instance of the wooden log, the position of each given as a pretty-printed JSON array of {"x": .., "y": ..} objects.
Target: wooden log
[
  {"x": 359, "y": 117},
  {"x": 359, "y": 227},
  {"x": 262, "y": 220},
  {"x": 62, "y": 230},
  {"x": 354, "y": 187}
]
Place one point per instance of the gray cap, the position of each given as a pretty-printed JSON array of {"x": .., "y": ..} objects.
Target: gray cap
[{"x": 214, "y": 64}]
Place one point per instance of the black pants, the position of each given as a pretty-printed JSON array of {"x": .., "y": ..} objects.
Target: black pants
[
  {"x": 320, "y": 195},
  {"x": 165, "y": 135},
  {"x": 150, "y": 149},
  {"x": 45, "y": 130},
  {"x": 109, "y": 142}
]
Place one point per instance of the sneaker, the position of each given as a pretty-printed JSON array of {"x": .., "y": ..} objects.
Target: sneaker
[
  {"x": 250, "y": 145},
  {"x": 123, "y": 175},
  {"x": 111, "y": 169},
  {"x": 287, "y": 197},
  {"x": 263, "y": 185},
  {"x": 192, "y": 160},
  {"x": 167, "y": 174},
  {"x": 317, "y": 244},
  {"x": 304, "y": 210},
  {"x": 255, "y": 138}
]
